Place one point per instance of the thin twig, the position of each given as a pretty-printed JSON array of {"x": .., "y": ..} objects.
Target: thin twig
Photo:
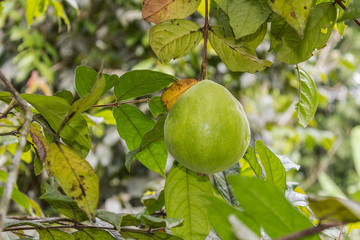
[
  {"x": 12, "y": 133},
  {"x": 117, "y": 104},
  {"x": 80, "y": 227},
  {"x": 341, "y": 229},
  {"x": 8, "y": 109},
  {"x": 310, "y": 231},
  {"x": 203, "y": 71},
  {"x": 41, "y": 220},
  {"x": 340, "y": 3},
  {"x": 13, "y": 174},
  {"x": 56, "y": 227},
  {"x": 8, "y": 126}
]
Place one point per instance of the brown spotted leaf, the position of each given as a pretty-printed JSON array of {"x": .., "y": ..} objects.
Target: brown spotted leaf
[
  {"x": 172, "y": 94},
  {"x": 40, "y": 143},
  {"x": 295, "y": 13},
  {"x": 157, "y": 11},
  {"x": 76, "y": 177}
]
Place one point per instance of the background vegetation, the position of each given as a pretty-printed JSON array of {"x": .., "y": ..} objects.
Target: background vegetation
[{"x": 42, "y": 59}]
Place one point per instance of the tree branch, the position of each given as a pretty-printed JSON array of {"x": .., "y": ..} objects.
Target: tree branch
[
  {"x": 13, "y": 174},
  {"x": 340, "y": 3},
  {"x": 13, "y": 133},
  {"x": 206, "y": 29},
  {"x": 8, "y": 109},
  {"x": 75, "y": 225},
  {"x": 117, "y": 104},
  {"x": 310, "y": 231}
]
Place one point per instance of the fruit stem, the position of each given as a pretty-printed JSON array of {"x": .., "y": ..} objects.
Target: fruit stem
[{"x": 206, "y": 28}]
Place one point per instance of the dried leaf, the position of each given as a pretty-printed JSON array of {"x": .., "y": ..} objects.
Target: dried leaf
[
  {"x": 172, "y": 94},
  {"x": 157, "y": 11},
  {"x": 40, "y": 142}
]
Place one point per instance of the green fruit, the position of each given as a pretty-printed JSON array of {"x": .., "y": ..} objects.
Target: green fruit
[{"x": 207, "y": 130}]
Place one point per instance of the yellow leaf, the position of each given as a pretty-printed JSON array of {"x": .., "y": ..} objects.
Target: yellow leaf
[
  {"x": 246, "y": 169},
  {"x": 76, "y": 177},
  {"x": 172, "y": 94},
  {"x": 36, "y": 208},
  {"x": 25, "y": 156},
  {"x": 201, "y": 8},
  {"x": 353, "y": 226},
  {"x": 305, "y": 210}
]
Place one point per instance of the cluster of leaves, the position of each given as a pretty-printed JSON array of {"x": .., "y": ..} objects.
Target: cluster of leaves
[
  {"x": 61, "y": 140},
  {"x": 297, "y": 29}
]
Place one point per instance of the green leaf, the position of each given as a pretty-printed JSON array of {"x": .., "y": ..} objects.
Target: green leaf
[
  {"x": 60, "y": 13},
  {"x": 34, "y": 8},
  {"x": 89, "y": 99},
  {"x": 329, "y": 186},
  {"x": 355, "y": 143},
  {"x": 335, "y": 209},
  {"x": 133, "y": 234},
  {"x": 174, "y": 38},
  {"x": 318, "y": 30},
  {"x": 308, "y": 99},
  {"x": 236, "y": 55},
  {"x": 67, "y": 95},
  {"x": 295, "y": 13},
  {"x": 158, "y": 11},
  {"x": 137, "y": 83},
  {"x": 54, "y": 109},
  {"x": 246, "y": 16},
  {"x": 352, "y": 12},
  {"x": 118, "y": 220},
  {"x": 224, "y": 187},
  {"x": 224, "y": 21},
  {"x": 250, "y": 157},
  {"x": 85, "y": 79},
  {"x": 91, "y": 234},
  {"x": 38, "y": 165},
  {"x": 132, "y": 124},
  {"x": 278, "y": 28},
  {"x": 76, "y": 177},
  {"x": 62, "y": 203},
  {"x": 152, "y": 151},
  {"x": 1, "y": 6},
  {"x": 183, "y": 199},
  {"x": 157, "y": 106},
  {"x": 54, "y": 234},
  {"x": 3, "y": 176},
  {"x": 254, "y": 40},
  {"x": 219, "y": 212},
  {"x": 267, "y": 205},
  {"x": 274, "y": 170},
  {"x": 154, "y": 222},
  {"x": 153, "y": 202},
  {"x": 20, "y": 198},
  {"x": 5, "y": 97},
  {"x": 107, "y": 115}
]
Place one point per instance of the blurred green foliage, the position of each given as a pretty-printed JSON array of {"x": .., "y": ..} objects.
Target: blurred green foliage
[{"x": 113, "y": 35}]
